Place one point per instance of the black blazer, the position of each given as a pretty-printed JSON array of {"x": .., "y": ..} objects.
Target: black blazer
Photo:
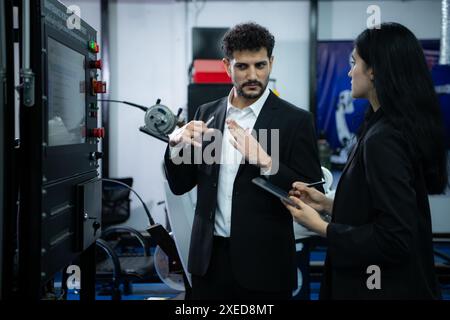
[
  {"x": 262, "y": 242},
  {"x": 381, "y": 216}
]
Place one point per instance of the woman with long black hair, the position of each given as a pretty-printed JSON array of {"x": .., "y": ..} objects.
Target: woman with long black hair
[{"x": 380, "y": 238}]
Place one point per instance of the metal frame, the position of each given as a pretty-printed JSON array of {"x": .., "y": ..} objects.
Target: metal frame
[
  {"x": 104, "y": 25},
  {"x": 313, "y": 34},
  {"x": 31, "y": 177},
  {"x": 9, "y": 165}
]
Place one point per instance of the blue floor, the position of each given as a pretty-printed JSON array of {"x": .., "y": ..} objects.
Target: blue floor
[
  {"x": 319, "y": 256},
  {"x": 160, "y": 291},
  {"x": 315, "y": 288},
  {"x": 143, "y": 291}
]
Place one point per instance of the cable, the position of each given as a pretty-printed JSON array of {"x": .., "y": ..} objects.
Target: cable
[
  {"x": 143, "y": 108},
  {"x": 150, "y": 219}
]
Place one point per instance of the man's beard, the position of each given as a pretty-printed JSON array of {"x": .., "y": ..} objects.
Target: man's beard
[{"x": 252, "y": 96}]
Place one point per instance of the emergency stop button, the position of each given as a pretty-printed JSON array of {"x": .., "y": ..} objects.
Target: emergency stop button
[
  {"x": 98, "y": 133},
  {"x": 96, "y": 64}
]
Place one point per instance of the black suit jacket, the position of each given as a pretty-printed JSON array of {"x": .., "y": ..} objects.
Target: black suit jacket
[
  {"x": 381, "y": 216},
  {"x": 262, "y": 241}
]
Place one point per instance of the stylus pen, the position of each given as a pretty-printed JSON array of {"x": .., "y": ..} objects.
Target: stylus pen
[
  {"x": 209, "y": 121},
  {"x": 318, "y": 183}
]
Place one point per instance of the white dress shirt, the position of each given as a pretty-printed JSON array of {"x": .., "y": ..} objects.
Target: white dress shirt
[{"x": 231, "y": 160}]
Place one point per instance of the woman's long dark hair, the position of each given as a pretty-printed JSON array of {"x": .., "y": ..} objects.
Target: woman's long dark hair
[{"x": 407, "y": 97}]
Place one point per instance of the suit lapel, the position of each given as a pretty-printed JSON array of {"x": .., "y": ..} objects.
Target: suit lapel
[
  {"x": 218, "y": 123},
  {"x": 219, "y": 116},
  {"x": 265, "y": 117},
  {"x": 351, "y": 156},
  {"x": 371, "y": 122},
  {"x": 267, "y": 113}
]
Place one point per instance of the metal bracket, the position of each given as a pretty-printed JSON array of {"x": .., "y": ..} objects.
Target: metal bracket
[{"x": 28, "y": 87}]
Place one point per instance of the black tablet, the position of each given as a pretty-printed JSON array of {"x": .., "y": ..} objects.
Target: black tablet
[{"x": 273, "y": 189}]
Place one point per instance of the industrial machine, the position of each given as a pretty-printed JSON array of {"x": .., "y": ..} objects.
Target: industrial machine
[{"x": 59, "y": 191}]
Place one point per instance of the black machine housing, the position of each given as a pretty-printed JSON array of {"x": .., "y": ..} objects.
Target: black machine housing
[{"x": 61, "y": 192}]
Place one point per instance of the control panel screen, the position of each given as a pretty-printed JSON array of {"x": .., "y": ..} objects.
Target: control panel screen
[{"x": 66, "y": 95}]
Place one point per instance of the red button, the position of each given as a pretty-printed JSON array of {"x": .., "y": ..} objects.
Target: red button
[
  {"x": 98, "y": 87},
  {"x": 98, "y": 133},
  {"x": 96, "y": 64}
]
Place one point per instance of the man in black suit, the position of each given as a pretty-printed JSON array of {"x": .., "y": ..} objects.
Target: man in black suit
[{"x": 242, "y": 242}]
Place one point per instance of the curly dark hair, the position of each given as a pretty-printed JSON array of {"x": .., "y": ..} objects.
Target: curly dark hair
[{"x": 247, "y": 36}]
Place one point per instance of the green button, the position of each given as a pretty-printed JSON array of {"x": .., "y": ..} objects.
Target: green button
[{"x": 92, "y": 45}]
